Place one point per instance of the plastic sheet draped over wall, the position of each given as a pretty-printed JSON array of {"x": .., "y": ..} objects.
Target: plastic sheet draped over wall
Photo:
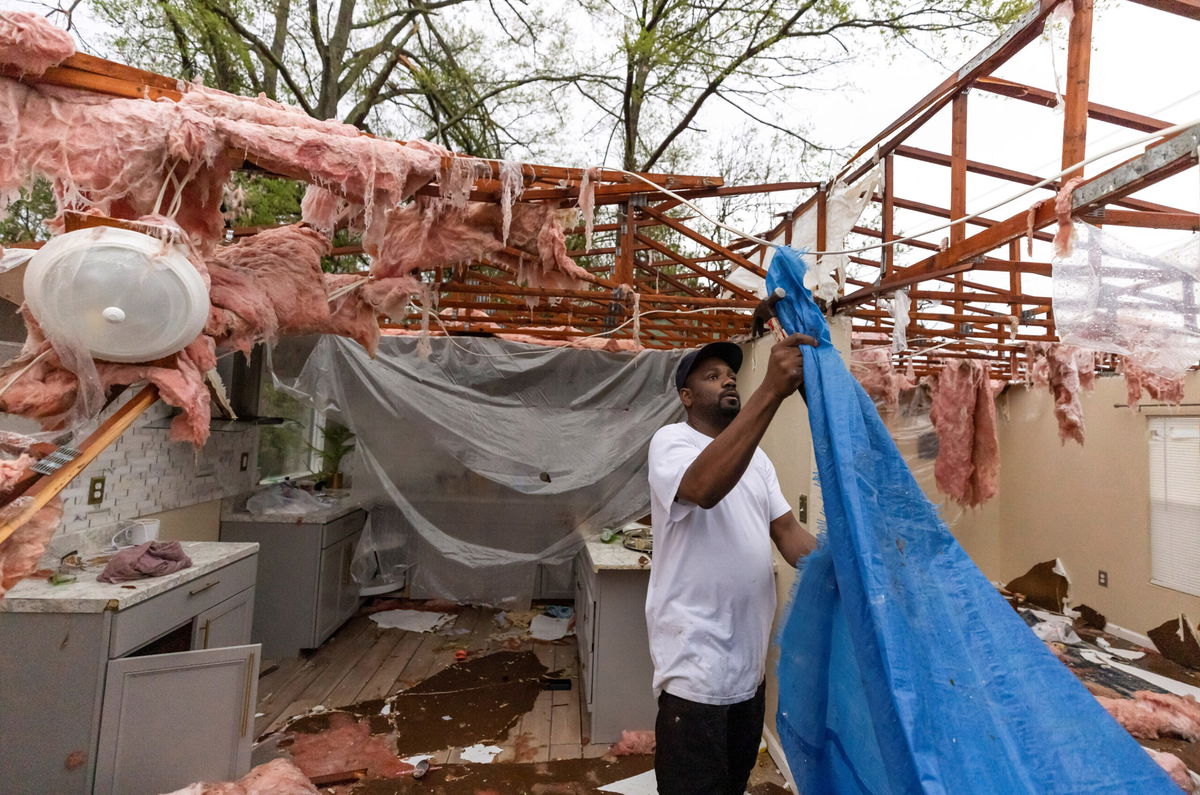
[
  {"x": 499, "y": 456},
  {"x": 1110, "y": 296},
  {"x": 902, "y": 670}
]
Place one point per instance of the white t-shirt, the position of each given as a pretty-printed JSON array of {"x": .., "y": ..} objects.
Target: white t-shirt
[{"x": 711, "y": 598}]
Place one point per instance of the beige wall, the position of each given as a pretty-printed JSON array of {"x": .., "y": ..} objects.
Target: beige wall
[
  {"x": 201, "y": 522},
  {"x": 788, "y": 444},
  {"x": 1088, "y": 506}
]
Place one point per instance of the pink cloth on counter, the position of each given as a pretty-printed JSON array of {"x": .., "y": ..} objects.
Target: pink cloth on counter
[{"x": 152, "y": 559}]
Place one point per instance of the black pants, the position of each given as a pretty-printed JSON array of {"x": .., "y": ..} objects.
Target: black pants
[{"x": 701, "y": 749}]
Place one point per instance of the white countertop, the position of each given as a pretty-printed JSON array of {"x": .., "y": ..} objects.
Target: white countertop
[
  {"x": 86, "y": 595},
  {"x": 325, "y": 516},
  {"x": 615, "y": 556}
]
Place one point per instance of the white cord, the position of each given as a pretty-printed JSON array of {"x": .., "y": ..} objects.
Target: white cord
[{"x": 913, "y": 236}]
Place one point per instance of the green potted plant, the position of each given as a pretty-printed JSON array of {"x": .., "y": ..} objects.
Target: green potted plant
[{"x": 336, "y": 442}]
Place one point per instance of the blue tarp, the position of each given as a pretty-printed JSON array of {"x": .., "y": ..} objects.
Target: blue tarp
[{"x": 902, "y": 669}]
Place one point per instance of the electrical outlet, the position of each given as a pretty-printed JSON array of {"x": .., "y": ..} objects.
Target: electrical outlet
[
  {"x": 1102, "y": 578},
  {"x": 95, "y": 491},
  {"x": 245, "y": 462},
  {"x": 802, "y": 509}
]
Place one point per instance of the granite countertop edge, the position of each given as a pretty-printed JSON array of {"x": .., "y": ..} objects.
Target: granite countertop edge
[{"x": 87, "y": 595}]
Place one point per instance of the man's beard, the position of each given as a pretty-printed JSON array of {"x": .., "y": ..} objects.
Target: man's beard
[{"x": 729, "y": 410}]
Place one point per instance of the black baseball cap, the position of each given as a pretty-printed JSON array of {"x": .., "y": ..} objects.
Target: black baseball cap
[{"x": 725, "y": 351}]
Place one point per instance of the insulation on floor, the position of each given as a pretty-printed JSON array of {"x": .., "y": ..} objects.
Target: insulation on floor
[{"x": 902, "y": 669}]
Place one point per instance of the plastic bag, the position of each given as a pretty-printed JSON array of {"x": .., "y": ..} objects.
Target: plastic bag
[
  {"x": 1111, "y": 297},
  {"x": 379, "y": 563},
  {"x": 284, "y": 498}
]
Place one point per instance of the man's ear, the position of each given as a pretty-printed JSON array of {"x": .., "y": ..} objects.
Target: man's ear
[{"x": 685, "y": 396}]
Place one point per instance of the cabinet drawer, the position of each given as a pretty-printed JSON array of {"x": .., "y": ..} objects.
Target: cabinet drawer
[
  {"x": 338, "y": 529},
  {"x": 147, "y": 620}
]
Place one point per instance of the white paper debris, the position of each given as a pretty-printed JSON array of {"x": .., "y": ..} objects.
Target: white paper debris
[
  {"x": 416, "y": 760},
  {"x": 1054, "y": 631},
  {"x": 547, "y": 628},
  {"x": 1054, "y": 627},
  {"x": 1128, "y": 654},
  {"x": 641, "y": 784},
  {"x": 387, "y": 709},
  {"x": 482, "y": 754},
  {"x": 1166, "y": 683},
  {"x": 412, "y": 620}
]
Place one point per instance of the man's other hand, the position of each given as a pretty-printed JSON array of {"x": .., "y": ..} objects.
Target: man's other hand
[{"x": 785, "y": 369}]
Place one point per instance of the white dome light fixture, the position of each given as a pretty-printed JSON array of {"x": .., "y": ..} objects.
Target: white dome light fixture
[{"x": 123, "y": 295}]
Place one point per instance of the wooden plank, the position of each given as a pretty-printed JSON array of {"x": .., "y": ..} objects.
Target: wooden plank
[
  {"x": 332, "y": 662},
  {"x": 382, "y": 682},
  {"x": 1075, "y": 112},
  {"x": 687, "y": 263},
  {"x": 41, "y": 491},
  {"x": 958, "y": 167},
  {"x": 1183, "y": 8},
  {"x": 711, "y": 245},
  {"x": 991, "y": 57},
  {"x": 382, "y": 646},
  {"x": 1048, "y": 99},
  {"x": 566, "y": 721}
]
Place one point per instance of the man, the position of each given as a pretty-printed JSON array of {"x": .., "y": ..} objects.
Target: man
[{"x": 715, "y": 508}]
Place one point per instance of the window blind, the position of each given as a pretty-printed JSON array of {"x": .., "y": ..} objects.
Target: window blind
[{"x": 1175, "y": 503}]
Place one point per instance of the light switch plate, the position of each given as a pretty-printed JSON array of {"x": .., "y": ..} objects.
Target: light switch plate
[{"x": 95, "y": 491}]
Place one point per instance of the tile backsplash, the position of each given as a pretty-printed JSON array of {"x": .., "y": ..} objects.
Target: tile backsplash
[{"x": 144, "y": 473}]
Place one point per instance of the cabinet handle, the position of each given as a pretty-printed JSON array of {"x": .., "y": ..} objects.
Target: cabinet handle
[
  {"x": 203, "y": 588},
  {"x": 207, "y": 624},
  {"x": 246, "y": 695}
]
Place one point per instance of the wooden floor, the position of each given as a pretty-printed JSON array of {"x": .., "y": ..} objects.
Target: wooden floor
[{"x": 363, "y": 662}]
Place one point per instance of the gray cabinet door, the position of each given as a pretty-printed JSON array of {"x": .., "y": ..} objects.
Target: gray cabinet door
[
  {"x": 173, "y": 719},
  {"x": 337, "y": 595},
  {"x": 225, "y": 624}
]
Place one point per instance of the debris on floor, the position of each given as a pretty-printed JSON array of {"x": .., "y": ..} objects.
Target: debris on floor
[
  {"x": 635, "y": 742},
  {"x": 560, "y": 777},
  {"x": 1045, "y": 585},
  {"x": 277, "y": 777},
  {"x": 480, "y": 753},
  {"x": 1154, "y": 698},
  {"x": 412, "y": 620},
  {"x": 547, "y": 628},
  {"x": 1176, "y": 640},
  {"x": 483, "y": 697}
]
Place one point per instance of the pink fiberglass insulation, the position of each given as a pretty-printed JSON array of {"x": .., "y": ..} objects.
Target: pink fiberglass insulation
[
  {"x": 964, "y": 416},
  {"x": 1152, "y": 715},
  {"x": 633, "y": 743},
  {"x": 873, "y": 368},
  {"x": 1086, "y": 362},
  {"x": 1137, "y": 381},
  {"x": 277, "y": 777},
  {"x": 112, "y": 155},
  {"x": 1174, "y": 767},
  {"x": 31, "y": 43},
  {"x": 422, "y": 235},
  {"x": 1065, "y": 370},
  {"x": 12, "y": 469},
  {"x": 1064, "y": 385},
  {"x": 19, "y": 553},
  {"x": 180, "y": 383},
  {"x": 267, "y": 285},
  {"x": 347, "y": 744}
]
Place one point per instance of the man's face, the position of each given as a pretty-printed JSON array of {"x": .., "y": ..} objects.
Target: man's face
[{"x": 711, "y": 390}]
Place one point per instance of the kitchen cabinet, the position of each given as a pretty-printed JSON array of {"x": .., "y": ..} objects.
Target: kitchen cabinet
[
  {"x": 141, "y": 687},
  {"x": 615, "y": 669},
  {"x": 305, "y": 588}
]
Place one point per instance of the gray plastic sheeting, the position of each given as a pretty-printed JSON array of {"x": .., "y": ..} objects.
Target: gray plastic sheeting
[{"x": 497, "y": 456}]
